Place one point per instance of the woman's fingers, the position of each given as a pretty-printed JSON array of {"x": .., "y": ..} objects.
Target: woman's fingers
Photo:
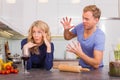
[{"x": 30, "y": 44}]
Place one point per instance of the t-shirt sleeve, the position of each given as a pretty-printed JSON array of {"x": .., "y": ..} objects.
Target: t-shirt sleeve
[
  {"x": 100, "y": 42},
  {"x": 77, "y": 28}
]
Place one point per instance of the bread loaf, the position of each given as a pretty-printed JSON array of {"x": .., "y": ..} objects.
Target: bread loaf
[
  {"x": 84, "y": 69},
  {"x": 69, "y": 68}
]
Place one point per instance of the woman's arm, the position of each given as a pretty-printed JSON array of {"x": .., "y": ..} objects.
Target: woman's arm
[{"x": 49, "y": 58}]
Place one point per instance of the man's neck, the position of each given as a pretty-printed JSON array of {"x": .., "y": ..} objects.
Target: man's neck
[{"x": 89, "y": 32}]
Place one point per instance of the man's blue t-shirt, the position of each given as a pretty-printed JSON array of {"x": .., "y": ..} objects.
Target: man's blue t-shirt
[{"x": 95, "y": 42}]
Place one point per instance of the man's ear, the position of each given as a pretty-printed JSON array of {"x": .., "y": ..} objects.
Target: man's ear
[{"x": 96, "y": 19}]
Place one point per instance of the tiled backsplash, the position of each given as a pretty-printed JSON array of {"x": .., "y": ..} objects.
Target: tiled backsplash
[{"x": 60, "y": 48}]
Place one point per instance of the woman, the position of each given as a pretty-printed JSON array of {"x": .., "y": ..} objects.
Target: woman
[{"x": 39, "y": 46}]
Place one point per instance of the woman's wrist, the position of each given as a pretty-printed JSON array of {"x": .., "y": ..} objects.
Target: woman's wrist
[
  {"x": 25, "y": 51},
  {"x": 49, "y": 49},
  {"x": 25, "y": 47}
]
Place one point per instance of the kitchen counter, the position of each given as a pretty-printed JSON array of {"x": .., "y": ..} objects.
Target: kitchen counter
[{"x": 55, "y": 74}]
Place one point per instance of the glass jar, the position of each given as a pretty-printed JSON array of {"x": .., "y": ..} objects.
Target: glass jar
[{"x": 114, "y": 64}]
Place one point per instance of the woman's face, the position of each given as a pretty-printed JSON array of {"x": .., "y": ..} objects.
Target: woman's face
[{"x": 37, "y": 35}]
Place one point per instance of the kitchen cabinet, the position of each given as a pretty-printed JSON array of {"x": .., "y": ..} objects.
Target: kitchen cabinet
[
  {"x": 12, "y": 14},
  {"x": 109, "y": 8},
  {"x": 22, "y": 13}
]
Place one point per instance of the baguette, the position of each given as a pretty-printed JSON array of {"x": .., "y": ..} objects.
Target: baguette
[
  {"x": 84, "y": 69},
  {"x": 69, "y": 68}
]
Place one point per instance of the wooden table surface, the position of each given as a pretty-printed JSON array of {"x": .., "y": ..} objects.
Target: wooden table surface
[{"x": 55, "y": 74}]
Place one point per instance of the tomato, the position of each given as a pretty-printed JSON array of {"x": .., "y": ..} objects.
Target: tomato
[
  {"x": 0, "y": 71},
  {"x": 8, "y": 67},
  {"x": 7, "y": 71},
  {"x": 16, "y": 71},
  {"x": 12, "y": 70},
  {"x": 3, "y": 72}
]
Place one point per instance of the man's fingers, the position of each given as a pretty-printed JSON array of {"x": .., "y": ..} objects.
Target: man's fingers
[
  {"x": 64, "y": 19},
  {"x": 70, "y": 20}
]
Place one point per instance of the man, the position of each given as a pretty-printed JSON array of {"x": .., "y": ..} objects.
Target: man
[{"x": 91, "y": 39}]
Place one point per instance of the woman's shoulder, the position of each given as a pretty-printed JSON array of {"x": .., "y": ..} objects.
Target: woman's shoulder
[
  {"x": 52, "y": 44},
  {"x": 24, "y": 40}
]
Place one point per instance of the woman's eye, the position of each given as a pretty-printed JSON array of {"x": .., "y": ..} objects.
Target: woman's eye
[
  {"x": 36, "y": 32},
  {"x": 39, "y": 32},
  {"x": 33, "y": 31}
]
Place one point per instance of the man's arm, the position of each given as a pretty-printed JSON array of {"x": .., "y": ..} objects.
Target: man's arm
[
  {"x": 68, "y": 35},
  {"x": 66, "y": 22},
  {"x": 95, "y": 61}
]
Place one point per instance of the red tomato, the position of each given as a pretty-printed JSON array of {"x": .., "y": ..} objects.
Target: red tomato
[
  {"x": 7, "y": 71},
  {"x": 0, "y": 71},
  {"x": 8, "y": 67},
  {"x": 12, "y": 70},
  {"x": 16, "y": 71},
  {"x": 3, "y": 72}
]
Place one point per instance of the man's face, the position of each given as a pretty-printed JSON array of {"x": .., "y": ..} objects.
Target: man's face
[{"x": 89, "y": 21}]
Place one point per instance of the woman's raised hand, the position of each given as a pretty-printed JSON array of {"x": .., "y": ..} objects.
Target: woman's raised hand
[
  {"x": 29, "y": 45},
  {"x": 46, "y": 41},
  {"x": 45, "y": 38}
]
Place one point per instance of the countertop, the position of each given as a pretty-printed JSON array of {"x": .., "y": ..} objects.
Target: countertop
[{"x": 55, "y": 74}]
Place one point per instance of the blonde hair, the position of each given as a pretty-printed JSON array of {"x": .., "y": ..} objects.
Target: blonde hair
[
  {"x": 41, "y": 25},
  {"x": 93, "y": 8}
]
